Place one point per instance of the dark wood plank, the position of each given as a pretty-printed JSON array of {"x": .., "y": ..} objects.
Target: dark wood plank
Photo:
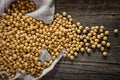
[
  {"x": 93, "y": 67},
  {"x": 88, "y": 7}
]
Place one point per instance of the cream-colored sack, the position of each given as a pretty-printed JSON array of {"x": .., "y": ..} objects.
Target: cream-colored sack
[{"x": 44, "y": 11}]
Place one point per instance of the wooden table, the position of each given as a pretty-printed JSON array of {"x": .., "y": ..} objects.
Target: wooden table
[{"x": 93, "y": 67}]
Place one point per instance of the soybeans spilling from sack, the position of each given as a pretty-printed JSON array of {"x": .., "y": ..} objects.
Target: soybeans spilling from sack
[{"x": 22, "y": 39}]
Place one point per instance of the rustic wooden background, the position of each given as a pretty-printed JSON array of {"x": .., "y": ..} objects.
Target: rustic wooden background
[{"x": 93, "y": 67}]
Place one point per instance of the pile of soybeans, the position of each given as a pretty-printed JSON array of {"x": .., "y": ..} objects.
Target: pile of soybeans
[{"x": 22, "y": 39}]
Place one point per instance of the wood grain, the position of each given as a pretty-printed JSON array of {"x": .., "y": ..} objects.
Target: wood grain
[{"x": 93, "y": 67}]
